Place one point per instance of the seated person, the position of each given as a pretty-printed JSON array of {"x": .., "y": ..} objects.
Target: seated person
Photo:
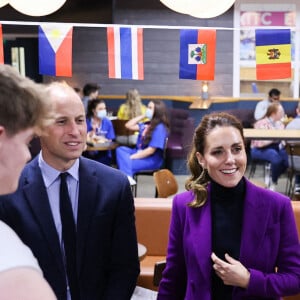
[
  {"x": 295, "y": 124},
  {"x": 132, "y": 108},
  {"x": 272, "y": 151},
  {"x": 90, "y": 91},
  {"x": 262, "y": 106},
  {"x": 148, "y": 153},
  {"x": 100, "y": 129}
]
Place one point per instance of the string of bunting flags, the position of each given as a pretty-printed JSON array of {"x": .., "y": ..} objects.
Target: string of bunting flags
[{"x": 126, "y": 58}]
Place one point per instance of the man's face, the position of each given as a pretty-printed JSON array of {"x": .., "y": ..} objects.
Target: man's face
[
  {"x": 65, "y": 139},
  {"x": 274, "y": 98},
  {"x": 14, "y": 154}
]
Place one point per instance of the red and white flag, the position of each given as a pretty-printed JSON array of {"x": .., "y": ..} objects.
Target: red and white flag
[{"x": 125, "y": 53}]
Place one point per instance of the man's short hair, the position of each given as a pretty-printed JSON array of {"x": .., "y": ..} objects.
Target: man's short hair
[
  {"x": 23, "y": 103},
  {"x": 90, "y": 88},
  {"x": 274, "y": 92}
]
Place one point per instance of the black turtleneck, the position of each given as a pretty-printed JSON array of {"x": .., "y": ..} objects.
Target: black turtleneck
[{"x": 227, "y": 215}]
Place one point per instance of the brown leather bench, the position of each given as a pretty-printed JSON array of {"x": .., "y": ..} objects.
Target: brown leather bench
[{"x": 152, "y": 225}]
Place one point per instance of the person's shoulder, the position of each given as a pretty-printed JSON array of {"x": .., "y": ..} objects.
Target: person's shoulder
[
  {"x": 267, "y": 196},
  {"x": 183, "y": 199},
  {"x": 294, "y": 124},
  {"x": 161, "y": 126},
  {"x": 93, "y": 166},
  {"x": 107, "y": 121},
  {"x": 15, "y": 253}
]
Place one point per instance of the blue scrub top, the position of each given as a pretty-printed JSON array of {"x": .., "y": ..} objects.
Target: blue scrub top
[
  {"x": 106, "y": 125},
  {"x": 159, "y": 135}
]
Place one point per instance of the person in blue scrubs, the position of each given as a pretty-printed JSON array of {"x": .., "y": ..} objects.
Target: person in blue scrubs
[
  {"x": 99, "y": 124},
  {"x": 148, "y": 153}
]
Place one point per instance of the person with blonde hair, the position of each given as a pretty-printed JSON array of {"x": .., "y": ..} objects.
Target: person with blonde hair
[
  {"x": 132, "y": 107},
  {"x": 24, "y": 112}
]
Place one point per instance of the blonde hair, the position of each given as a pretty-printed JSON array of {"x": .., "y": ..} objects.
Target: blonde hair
[{"x": 133, "y": 104}]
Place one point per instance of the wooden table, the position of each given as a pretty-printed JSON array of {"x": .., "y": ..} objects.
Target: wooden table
[
  {"x": 102, "y": 146},
  {"x": 272, "y": 134}
]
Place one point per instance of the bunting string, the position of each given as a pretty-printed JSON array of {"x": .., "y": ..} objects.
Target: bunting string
[{"x": 96, "y": 25}]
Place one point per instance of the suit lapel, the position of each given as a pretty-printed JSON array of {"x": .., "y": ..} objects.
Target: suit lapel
[
  {"x": 201, "y": 226},
  {"x": 36, "y": 195},
  {"x": 87, "y": 200},
  {"x": 254, "y": 225}
]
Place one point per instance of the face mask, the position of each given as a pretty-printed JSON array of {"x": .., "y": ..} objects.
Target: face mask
[
  {"x": 101, "y": 114},
  {"x": 149, "y": 113}
]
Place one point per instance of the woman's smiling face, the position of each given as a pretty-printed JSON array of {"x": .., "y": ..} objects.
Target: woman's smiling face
[{"x": 224, "y": 156}]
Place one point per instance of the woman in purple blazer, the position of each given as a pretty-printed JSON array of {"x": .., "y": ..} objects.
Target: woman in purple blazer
[{"x": 229, "y": 239}]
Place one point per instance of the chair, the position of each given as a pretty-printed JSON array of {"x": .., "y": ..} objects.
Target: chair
[
  {"x": 149, "y": 172},
  {"x": 293, "y": 151},
  {"x": 165, "y": 183},
  {"x": 123, "y": 134},
  {"x": 158, "y": 270},
  {"x": 266, "y": 170}
]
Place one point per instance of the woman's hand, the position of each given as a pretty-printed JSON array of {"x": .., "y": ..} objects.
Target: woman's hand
[{"x": 231, "y": 271}]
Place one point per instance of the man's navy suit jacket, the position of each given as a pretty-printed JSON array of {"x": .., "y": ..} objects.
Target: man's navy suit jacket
[{"x": 107, "y": 256}]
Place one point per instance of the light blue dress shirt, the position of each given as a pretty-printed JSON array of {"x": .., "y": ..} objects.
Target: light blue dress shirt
[{"x": 52, "y": 183}]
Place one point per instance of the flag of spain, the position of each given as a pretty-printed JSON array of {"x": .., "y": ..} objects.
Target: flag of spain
[{"x": 273, "y": 53}]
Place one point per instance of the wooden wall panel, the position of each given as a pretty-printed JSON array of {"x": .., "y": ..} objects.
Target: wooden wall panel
[{"x": 161, "y": 53}]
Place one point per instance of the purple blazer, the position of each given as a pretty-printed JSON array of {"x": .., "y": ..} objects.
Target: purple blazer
[{"x": 269, "y": 240}]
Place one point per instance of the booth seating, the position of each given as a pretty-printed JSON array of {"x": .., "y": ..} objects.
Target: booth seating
[
  {"x": 152, "y": 226},
  {"x": 182, "y": 128}
]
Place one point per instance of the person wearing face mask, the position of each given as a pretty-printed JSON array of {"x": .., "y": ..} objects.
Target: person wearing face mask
[
  {"x": 148, "y": 153},
  {"x": 99, "y": 127}
]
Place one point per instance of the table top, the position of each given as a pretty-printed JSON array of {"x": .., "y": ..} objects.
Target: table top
[
  {"x": 271, "y": 134},
  {"x": 102, "y": 146}
]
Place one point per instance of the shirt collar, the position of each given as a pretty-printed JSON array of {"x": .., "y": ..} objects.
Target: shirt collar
[{"x": 50, "y": 174}]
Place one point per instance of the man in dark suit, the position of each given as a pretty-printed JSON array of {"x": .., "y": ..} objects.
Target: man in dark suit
[{"x": 106, "y": 263}]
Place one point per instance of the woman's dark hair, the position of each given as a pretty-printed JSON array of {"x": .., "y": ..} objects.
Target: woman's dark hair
[
  {"x": 92, "y": 104},
  {"x": 159, "y": 116},
  {"x": 199, "y": 178}
]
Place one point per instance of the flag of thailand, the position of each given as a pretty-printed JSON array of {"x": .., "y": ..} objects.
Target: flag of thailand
[
  {"x": 125, "y": 53},
  {"x": 55, "y": 50},
  {"x": 197, "y": 54}
]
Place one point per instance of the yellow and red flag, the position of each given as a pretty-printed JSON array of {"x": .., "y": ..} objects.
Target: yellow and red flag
[{"x": 273, "y": 54}]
